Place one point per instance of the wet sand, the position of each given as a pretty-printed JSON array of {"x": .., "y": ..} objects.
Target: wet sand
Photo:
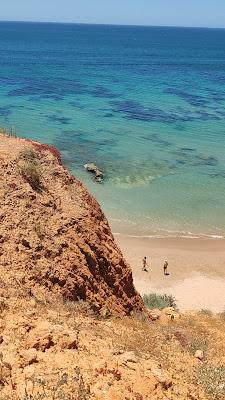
[{"x": 196, "y": 267}]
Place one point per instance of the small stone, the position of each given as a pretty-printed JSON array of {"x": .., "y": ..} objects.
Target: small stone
[
  {"x": 131, "y": 365},
  {"x": 129, "y": 356},
  {"x": 67, "y": 340},
  {"x": 199, "y": 354},
  {"x": 169, "y": 310},
  {"x": 154, "y": 314},
  {"x": 100, "y": 365},
  {"x": 192, "y": 396},
  {"x": 52, "y": 314},
  {"x": 32, "y": 303},
  {"x": 28, "y": 357},
  {"x": 158, "y": 373},
  {"x": 105, "y": 313}
]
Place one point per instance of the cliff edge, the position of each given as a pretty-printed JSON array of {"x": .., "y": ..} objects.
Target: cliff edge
[{"x": 53, "y": 234}]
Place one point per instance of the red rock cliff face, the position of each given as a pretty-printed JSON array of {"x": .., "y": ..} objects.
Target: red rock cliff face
[{"x": 54, "y": 234}]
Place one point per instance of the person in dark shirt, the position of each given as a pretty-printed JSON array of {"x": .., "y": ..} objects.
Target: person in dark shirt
[{"x": 144, "y": 264}]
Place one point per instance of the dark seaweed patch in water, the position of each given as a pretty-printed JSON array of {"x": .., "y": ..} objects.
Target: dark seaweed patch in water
[
  {"x": 82, "y": 137},
  {"x": 72, "y": 133},
  {"x": 207, "y": 161},
  {"x": 186, "y": 155},
  {"x": 218, "y": 175},
  {"x": 156, "y": 139},
  {"x": 53, "y": 90},
  {"x": 55, "y": 97},
  {"x": 204, "y": 116},
  {"x": 79, "y": 148},
  {"x": 76, "y": 104},
  {"x": 26, "y": 90},
  {"x": 179, "y": 126},
  {"x": 8, "y": 80},
  {"x": 58, "y": 119},
  {"x": 5, "y": 111},
  {"x": 193, "y": 99},
  {"x": 108, "y": 115},
  {"x": 180, "y": 161},
  {"x": 220, "y": 114},
  {"x": 103, "y": 92},
  {"x": 187, "y": 149},
  {"x": 216, "y": 96},
  {"x": 134, "y": 110}
]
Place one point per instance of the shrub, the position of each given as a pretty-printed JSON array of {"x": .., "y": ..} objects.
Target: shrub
[
  {"x": 30, "y": 168},
  {"x": 154, "y": 300},
  {"x": 28, "y": 155},
  {"x": 31, "y": 173}
]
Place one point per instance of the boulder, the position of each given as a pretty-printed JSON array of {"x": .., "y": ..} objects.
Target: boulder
[{"x": 94, "y": 170}]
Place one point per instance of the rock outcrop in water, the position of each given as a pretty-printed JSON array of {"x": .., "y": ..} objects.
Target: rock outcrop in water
[
  {"x": 53, "y": 233},
  {"x": 96, "y": 171}
]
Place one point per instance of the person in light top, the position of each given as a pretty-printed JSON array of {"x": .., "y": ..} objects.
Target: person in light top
[{"x": 165, "y": 266}]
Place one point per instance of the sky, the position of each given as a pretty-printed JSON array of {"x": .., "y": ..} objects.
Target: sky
[{"x": 202, "y": 13}]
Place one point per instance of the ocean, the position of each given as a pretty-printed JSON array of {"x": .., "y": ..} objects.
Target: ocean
[{"x": 145, "y": 104}]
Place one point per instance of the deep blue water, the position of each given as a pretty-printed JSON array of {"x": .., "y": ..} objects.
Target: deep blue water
[{"x": 147, "y": 105}]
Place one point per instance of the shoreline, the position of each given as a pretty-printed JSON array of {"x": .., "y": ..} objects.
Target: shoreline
[{"x": 196, "y": 267}]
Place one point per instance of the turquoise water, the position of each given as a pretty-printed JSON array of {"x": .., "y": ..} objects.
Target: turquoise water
[{"x": 147, "y": 105}]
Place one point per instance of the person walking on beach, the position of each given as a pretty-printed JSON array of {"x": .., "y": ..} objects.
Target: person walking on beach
[
  {"x": 144, "y": 264},
  {"x": 165, "y": 266}
]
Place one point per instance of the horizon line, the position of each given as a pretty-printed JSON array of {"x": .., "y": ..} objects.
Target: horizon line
[{"x": 110, "y": 24}]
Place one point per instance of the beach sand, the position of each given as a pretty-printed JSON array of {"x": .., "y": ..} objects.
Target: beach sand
[{"x": 196, "y": 267}]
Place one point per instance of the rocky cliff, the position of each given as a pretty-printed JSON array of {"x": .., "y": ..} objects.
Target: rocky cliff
[
  {"x": 53, "y": 234},
  {"x": 56, "y": 246}
]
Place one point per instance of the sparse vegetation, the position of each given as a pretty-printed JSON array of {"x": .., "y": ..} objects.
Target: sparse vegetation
[
  {"x": 206, "y": 312},
  {"x": 39, "y": 231},
  {"x": 29, "y": 155},
  {"x": 222, "y": 315},
  {"x": 8, "y": 132},
  {"x": 81, "y": 306},
  {"x": 30, "y": 169},
  {"x": 196, "y": 343},
  {"x": 63, "y": 387},
  {"x": 154, "y": 300},
  {"x": 213, "y": 380}
]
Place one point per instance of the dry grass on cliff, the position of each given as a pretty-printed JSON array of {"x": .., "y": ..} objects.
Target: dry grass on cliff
[{"x": 93, "y": 369}]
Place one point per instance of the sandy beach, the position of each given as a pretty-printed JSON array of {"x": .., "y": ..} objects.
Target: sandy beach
[{"x": 196, "y": 267}]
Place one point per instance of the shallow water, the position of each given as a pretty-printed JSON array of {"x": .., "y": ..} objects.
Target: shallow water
[{"x": 147, "y": 105}]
